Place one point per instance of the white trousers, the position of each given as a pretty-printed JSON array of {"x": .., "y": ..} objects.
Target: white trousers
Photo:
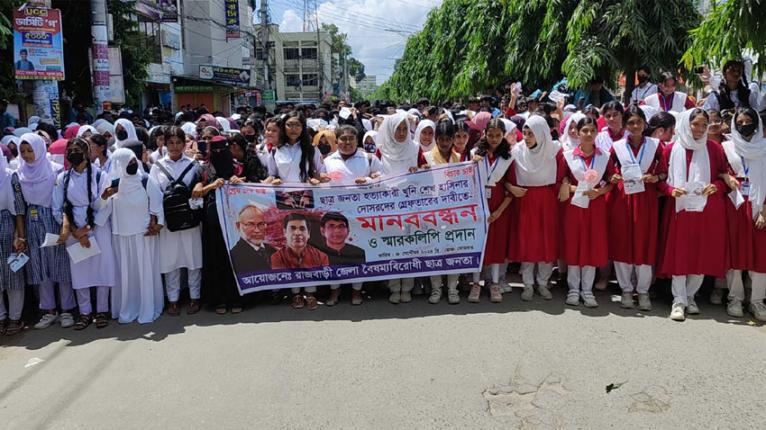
[
  {"x": 544, "y": 271},
  {"x": 684, "y": 287},
  {"x": 102, "y": 300},
  {"x": 173, "y": 284},
  {"x": 401, "y": 284},
  {"x": 15, "y": 305},
  {"x": 580, "y": 278},
  {"x": 494, "y": 273},
  {"x": 735, "y": 282},
  {"x": 452, "y": 280},
  {"x": 625, "y": 271},
  {"x": 356, "y": 286}
]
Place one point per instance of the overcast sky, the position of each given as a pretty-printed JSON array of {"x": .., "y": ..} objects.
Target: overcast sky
[{"x": 377, "y": 29}]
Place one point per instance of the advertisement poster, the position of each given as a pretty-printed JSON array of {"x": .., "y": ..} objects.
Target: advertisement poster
[
  {"x": 420, "y": 224},
  {"x": 38, "y": 48}
]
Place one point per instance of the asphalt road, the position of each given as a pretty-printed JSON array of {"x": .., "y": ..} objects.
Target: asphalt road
[{"x": 379, "y": 366}]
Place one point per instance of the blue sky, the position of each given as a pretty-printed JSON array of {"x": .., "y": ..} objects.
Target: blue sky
[{"x": 377, "y": 29}]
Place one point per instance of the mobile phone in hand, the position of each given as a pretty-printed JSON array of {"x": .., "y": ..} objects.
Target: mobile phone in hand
[{"x": 115, "y": 183}]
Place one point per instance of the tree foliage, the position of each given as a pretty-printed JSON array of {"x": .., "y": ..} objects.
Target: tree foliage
[
  {"x": 132, "y": 43},
  {"x": 471, "y": 46},
  {"x": 729, "y": 28},
  {"x": 8, "y": 89}
]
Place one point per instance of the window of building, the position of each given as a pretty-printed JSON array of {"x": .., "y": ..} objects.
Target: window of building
[
  {"x": 309, "y": 53},
  {"x": 310, "y": 80},
  {"x": 292, "y": 80},
  {"x": 151, "y": 32},
  {"x": 291, "y": 53}
]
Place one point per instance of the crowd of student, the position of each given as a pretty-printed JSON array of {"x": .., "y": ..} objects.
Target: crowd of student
[{"x": 661, "y": 188}]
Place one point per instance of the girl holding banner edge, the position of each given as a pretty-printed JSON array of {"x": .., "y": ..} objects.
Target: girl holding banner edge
[{"x": 495, "y": 148}]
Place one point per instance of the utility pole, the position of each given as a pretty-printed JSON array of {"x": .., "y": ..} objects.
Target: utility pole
[
  {"x": 99, "y": 54},
  {"x": 264, "y": 15}
]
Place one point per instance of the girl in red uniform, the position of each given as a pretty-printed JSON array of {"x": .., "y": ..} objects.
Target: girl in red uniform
[
  {"x": 746, "y": 217},
  {"x": 634, "y": 210},
  {"x": 695, "y": 244},
  {"x": 586, "y": 170},
  {"x": 535, "y": 183},
  {"x": 497, "y": 151}
]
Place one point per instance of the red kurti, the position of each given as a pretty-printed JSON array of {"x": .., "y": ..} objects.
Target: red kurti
[
  {"x": 585, "y": 230},
  {"x": 694, "y": 243},
  {"x": 499, "y": 231},
  {"x": 535, "y": 230},
  {"x": 634, "y": 218}
]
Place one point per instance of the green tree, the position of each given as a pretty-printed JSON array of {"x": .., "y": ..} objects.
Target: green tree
[
  {"x": 8, "y": 89},
  {"x": 340, "y": 46},
  {"x": 132, "y": 43},
  {"x": 729, "y": 28},
  {"x": 467, "y": 47}
]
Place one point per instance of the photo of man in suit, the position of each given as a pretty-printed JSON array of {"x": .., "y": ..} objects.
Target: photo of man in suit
[{"x": 251, "y": 253}]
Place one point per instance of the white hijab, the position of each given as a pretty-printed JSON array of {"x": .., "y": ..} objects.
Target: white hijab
[
  {"x": 536, "y": 167},
  {"x": 86, "y": 128},
  {"x": 699, "y": 168},
  {"x": 129, "y": 127},
  {"x": 224, "y": 123},
  {"x": 566, "y": 141},
  {"x": 422, "y": 126},
  {"x": 6, "y": 189},
  {"x": 753, "y": 152},
  {"x": 397, "y": 157}
]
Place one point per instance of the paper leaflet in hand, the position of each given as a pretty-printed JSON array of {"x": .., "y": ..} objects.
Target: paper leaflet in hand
[
  {"x": 632, "y": 179},
  {"x": 17, "y": 261},
  {"x": 50, "y": 240},
  {"x": 78, "y": 253}
]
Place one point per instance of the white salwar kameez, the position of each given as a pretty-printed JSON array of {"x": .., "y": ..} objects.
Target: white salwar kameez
[
  {"x": 138, "y": 295},
  {"x": 179, "y": 249}
]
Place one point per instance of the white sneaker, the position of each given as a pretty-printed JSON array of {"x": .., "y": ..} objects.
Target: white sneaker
[
  {"x": 716, "y": 296},
  {"x": 395, "y": 297},
  {"x": 544, "y": 292},
  {"x": 644, "y": 302},
  {"x": 453, "y": 297},
  {"x": 66, "y": 320},
  {"x": 758, "y": 309},
  {"x": 627, "y": 301},
  {"x": 590, "y": 301},
  {"x": 406, "y": 297},
  {"x": 505, "y": 287},
  {"x": 46, "y": 321},
  {"x": 573, "y": 300},
  {"x": 528, "y": 293},
  {"x": 474, "y": 296},
  {"x": 692, "y": 308},
  {"x": 677, "y": 312},
  {"x": 436, "y": 296},
  {"x": 734, "y": 308}
]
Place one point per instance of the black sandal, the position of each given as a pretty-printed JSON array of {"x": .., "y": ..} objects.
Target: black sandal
[
  {"x": 102, "y": 320},
  {"x": 13, "y": 327},
  {"x": 83, "y": 322}
]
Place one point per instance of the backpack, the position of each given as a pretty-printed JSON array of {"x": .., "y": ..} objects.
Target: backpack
[{"x": 175, "y": 202}]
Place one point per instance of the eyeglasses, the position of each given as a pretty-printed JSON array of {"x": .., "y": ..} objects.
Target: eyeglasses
[
  {"x": 259, "y": 225},
  {"x": 347, "y": 138},
  {"x": 294, "y": 126}
]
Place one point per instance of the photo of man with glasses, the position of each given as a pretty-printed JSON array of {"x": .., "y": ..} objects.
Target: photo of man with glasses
[{"x": 251, "y": 253}]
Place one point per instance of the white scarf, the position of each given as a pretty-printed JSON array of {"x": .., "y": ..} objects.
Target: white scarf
[
  {"x": 6, "y": 187},
  {"x": 567, "y": 142},
  {"x": 699, "y": 168},
  {"x": 396, "y": 157},
  {"x": 578, "y": 167},
  {"x": 422, "y": 126},
  {"x": 646, "y": 154},
  {"x": 753, "y": 153},
  {"x": 536, "y": 167}
]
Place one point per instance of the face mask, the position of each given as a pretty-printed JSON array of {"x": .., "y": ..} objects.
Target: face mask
[
  {"x": 75, "y": 158},
  {"x": 554, "y": 134},
  {"x": 122, "y": 134},
  {"x": 132, "y": 169},
  {"x": 324, "y": 148},
  {"x": 15, "y": 152},
  {"x": 250, "y": 138},
  {"x": 746, "y": 130},
  {"x": 223, "y": 163},
  {"x": 642, "y": 79}
]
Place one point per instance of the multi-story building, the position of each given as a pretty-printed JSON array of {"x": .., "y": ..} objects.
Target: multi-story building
[
  {"x": 368, "y": 85},
  {"x": 299, "y": 65}
]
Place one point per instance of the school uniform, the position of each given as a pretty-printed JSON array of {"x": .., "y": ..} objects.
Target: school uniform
[
  {"x": 676, "y": 102},
  {"x": 606, "y": 138},
  {"x": 633, "y": 218},
  {"x": 11, "y": 205}
]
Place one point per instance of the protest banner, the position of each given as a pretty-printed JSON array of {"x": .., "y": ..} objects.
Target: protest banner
[
  {"x": 38, "y": 46},
  {"x": 425, "y": 223}
]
